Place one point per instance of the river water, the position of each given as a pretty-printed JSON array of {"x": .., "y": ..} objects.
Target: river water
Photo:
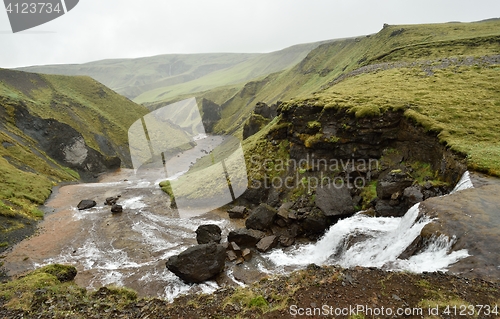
[{"x": 130, "y": 249}]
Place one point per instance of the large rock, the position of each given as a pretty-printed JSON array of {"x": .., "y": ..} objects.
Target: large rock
[
  {"x": 198, "y": 263},
  {"x": 208, "y": 233},
  {"x": 86, "y": 204},
  {"x": 238, "y": 212},
  {"x": 245, "y": 237},
  {"x": 267, "y": 243},
  {"x": 261, "y": 218},
  {"x": 393, "y": 183},
  {"x": 334, "y": 200},
  {"x": 314, "y": 223},
  {"x": 116, "y": 208},
  {"x": 413, "y": 195}
]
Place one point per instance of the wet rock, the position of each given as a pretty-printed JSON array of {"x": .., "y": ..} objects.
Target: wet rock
[
  {"x": 247, "y": 275},
  {"x": 238, "y": 212},
  {"x": 334, "y": 200},
  {"x": 86, "y": 204},
  {"x": 390, "y": 208},
  {"x": 199, "y": 263},
  {"x": 231, "y": 255},
  {"x": 261, "y": 218},
  {"x": 223, "y": 280},
  {"x": 394, "y": 182},
  {"x": 245, "y": 237},
  {"x": 246, "y": 254},
  {"x": 110, "y": 201},
  {"x": 115, "y": 209},
  {"x": 267, "y": 243},
  {"x": 234, "y": 246},
  {"x": 293, "y": 230},
  {"x": 314, "y": 223},
  {"x": 208, "y": 233},
  {"x": 413, "y": 195},
  {"x": 286, "y": 241},
  {"x": 284, "y": 210}
]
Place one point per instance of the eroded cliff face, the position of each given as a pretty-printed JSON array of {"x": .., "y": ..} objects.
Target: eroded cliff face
[
  {"x": 386, "y": 162},
  {"x": 335, "y": 134},
  {"x": 66, "y": 145}
]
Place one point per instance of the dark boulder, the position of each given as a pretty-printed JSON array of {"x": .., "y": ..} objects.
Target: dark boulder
[
  {"x": 116, "y": 209},
  {"x": 390, "y": 208},
  {"x": 261, "y": 218},
  {"x": 238, "y": 212},
  {"x": 394, "y": 182},
  {"x": 110, "y": 201},
  {"x": 267, "y": 243},
  {"x": 86, "y": 204},
  {"x": 245, "y": 237},
  {"x": 199, "y": 263},
  {"x": 208, "y": 233},
  {"x": 286, "y": 241},
  {"x": 334, "y": 200},
  {"x": 314, "y": 223},
  {"x": 413, "y": 195}
]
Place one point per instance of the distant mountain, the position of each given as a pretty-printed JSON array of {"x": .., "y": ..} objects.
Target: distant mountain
[{"x": 162, "y": 77}]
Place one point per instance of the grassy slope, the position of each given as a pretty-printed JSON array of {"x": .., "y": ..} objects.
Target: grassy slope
[
  {"x": 255, "y": 67},
  {"x": 460, "y": 103},
  {"x": 27, "y": 174}
]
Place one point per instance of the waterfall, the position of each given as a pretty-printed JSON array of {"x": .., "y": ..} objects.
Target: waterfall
[{"x": 366, "y": 241}]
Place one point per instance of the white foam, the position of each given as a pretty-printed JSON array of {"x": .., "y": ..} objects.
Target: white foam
[
  {"x": 464, "y": 183},
  {"x": 383, "y": 240}
]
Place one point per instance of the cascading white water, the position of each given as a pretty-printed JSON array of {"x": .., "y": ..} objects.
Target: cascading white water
[{"x": 378, "y": 242}]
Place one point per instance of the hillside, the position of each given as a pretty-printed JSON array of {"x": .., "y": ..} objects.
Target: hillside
[
  {"x": 330, "y": 61},
  {"x": 165, "y": 76},
  {"x": 54, "y": 129}
]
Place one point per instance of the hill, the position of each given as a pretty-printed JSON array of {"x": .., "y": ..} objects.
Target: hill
[
  {"x": 165, "y": 76},
  {"x": 55, "y": 128}
]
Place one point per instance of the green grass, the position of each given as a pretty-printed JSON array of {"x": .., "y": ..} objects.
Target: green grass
[{"x": 53, "y": 284}]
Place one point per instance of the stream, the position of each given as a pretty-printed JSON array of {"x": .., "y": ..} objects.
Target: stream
[{"x": 130, "y": 248}]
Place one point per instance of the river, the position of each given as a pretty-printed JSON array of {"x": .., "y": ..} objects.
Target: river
[{"x": 130, "y": 248}]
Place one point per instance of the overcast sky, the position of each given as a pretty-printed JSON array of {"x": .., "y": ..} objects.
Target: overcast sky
[{"x": 103, "y": 29}]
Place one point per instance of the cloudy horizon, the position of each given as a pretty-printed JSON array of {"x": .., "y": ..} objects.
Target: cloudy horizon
[{"x": 129, "y": 29}]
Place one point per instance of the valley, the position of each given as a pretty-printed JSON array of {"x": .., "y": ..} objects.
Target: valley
[{"x": 414, "y": 228}]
